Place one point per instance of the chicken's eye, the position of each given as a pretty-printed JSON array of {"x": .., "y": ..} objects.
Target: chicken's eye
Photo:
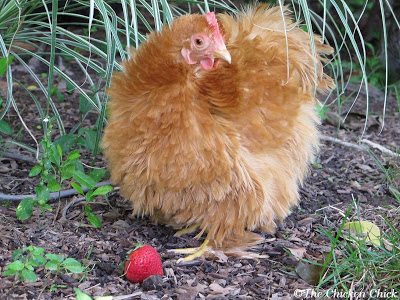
[{"x": 199, "y": 42}]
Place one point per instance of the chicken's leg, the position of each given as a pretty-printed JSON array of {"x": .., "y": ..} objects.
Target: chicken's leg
[
  {"x": 194, "y": 252},
  {"x": 187, "y": 230}
]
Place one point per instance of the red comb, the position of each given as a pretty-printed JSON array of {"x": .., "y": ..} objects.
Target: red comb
[{"x": 212, "y": 21}]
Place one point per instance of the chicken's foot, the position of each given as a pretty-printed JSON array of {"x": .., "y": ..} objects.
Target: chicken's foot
[
  {"x": 187, "y": 230},
  {"x": 194, "y": 252}
]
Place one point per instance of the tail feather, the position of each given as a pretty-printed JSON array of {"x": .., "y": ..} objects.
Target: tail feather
[{"x": 282, "y": 38}]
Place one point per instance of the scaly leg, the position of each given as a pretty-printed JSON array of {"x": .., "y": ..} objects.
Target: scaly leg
[
  {"x": 194, "y": 252},
  {"x": 187, "y": 230}
]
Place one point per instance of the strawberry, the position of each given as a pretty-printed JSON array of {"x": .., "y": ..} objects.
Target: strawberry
[{"x": 143, "y": 262}]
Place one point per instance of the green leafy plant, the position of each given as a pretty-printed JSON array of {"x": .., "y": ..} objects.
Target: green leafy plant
[
  {"x": 53, "y": 171},
  {"x": 55, "y": 287},
  {"x": 79, "y": 295},
  {"x": 322, "y": 110},
  {"x": 5, "y": 127},
  {"x": 55, "y": 92},
  {"x": 89, "y": 182},
  {"x": 48, "y": 169},
  {"x": 27, "y": 260},
  {"x": 4, "y": 63}
]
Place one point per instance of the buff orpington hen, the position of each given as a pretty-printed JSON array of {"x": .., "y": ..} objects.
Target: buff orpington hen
[{"x": 212, "y": 123}]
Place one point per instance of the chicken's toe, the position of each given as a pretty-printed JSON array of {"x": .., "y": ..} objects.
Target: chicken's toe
[
  {"x": 193, "y": 252},
  {"x": 187, "y": 230}
]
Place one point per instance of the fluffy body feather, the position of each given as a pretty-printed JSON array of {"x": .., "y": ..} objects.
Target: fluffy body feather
[{"x": 224, "y": 148}]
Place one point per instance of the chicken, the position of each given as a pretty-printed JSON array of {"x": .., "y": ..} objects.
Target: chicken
[{"x": 212, "y": 123}]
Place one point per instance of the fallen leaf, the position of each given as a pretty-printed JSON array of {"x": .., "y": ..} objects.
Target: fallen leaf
[
  {"x": 84, "y": 285},
  {"x": 298, "y": 252},
  {"x": 363, "y": 230},
  {"x": 191, "y": 292},
  {"x": 310, "y": 273},
  {"x": 365, "y": 167},
  {"x": 217, "y": 289},
  {"x": 32, "y": 88},
  {"x": 306, "y": 221},
  {"x": 221, "y": 282},
  {"x": 356, "y": 185},
  {"x": 120, "y": 224},
  {"x": 112, "y": 215}
]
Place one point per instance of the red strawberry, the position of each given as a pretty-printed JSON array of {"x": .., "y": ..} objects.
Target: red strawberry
[{"x": 143, "y": 262}]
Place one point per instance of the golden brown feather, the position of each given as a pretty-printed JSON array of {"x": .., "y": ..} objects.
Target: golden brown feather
[{"x": 225, "y": 147}]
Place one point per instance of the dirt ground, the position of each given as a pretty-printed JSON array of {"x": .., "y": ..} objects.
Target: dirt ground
[{"x": 340, "y": 177}]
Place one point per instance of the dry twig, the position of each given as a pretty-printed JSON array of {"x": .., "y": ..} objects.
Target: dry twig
[
  {"x": 18, "y": 156},
  {"x": 361, "y": 147},
  {"x": 53, "y": 196}
]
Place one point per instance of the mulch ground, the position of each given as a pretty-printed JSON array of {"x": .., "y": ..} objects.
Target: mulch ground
[{"x": 339, "y": 178}]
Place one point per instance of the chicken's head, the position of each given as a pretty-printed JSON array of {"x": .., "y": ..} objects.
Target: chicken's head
[{"x": 206, "y": 46}]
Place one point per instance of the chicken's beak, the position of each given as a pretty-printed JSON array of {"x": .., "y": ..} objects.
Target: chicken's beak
[{"x": 223, "y": 54}]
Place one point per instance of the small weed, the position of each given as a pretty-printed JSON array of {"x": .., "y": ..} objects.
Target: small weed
[
  {"x": 53, "y": 171},
  {"x": 5, "y": 127},
  {"x": 79, "y": 295},
  {"x": 55, "y": 287},
  {"x": 4, "y": 63},
  {"x": 27, "y": 260},
  {"x": 55, "y": 92},
  {"x": 322, "y": 110}
]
